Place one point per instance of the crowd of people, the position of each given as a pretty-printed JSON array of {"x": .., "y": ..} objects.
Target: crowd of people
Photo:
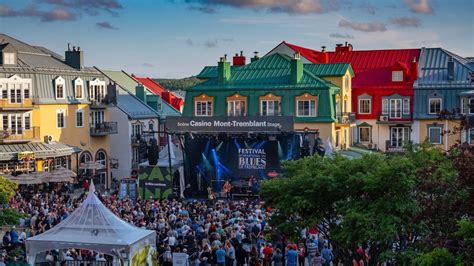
[{"x": 220, "y": 232}]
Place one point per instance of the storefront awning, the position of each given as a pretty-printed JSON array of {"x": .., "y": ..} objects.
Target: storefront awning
[{"x": 41, "y": 150}]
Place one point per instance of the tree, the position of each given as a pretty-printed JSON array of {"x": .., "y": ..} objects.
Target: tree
[
  {"x": 437, "y": 257},
  {"x": 365, "y": 200},
  {"x": 7, "y": 190}
]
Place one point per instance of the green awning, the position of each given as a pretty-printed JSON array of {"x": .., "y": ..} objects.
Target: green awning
[{"x": 41, "y": 150}]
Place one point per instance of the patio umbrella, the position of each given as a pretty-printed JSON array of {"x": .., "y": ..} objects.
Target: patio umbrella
[
  {"x": 28, "y": 179},
  {"x": 91, "y": 166},
  {"x": 59, "y": 175}
]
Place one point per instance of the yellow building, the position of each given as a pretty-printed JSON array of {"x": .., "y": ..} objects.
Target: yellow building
[{"x": 55, "y": 108}]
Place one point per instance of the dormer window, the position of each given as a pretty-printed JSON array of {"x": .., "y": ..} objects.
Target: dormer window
[
  {"x": 9, "y": 58},
  {"x": 397, "y": 75},
  {"x": 59, "y": 87},
  {"x": 79, "y": 88},
  {"x": 96, "y": 90}
]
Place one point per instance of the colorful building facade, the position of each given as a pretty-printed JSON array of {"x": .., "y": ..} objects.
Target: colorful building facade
[
  {"x": 382, "y": 91},
  {"x": 49, "y": 101},
  {"x": 444, "y": 84}
]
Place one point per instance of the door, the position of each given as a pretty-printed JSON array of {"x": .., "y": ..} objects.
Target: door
[
  {"x": 395, "y": 108},
  {"x": 398, "y": 136}
]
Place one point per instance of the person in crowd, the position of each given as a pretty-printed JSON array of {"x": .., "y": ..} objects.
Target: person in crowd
[
  {"x": 277, "y": 258},
  {"x": 220, "y": 256},
  {"x": 301, "y": 254},
  {"x": 230, "y": 253},
  {"x": 327, "y": 255},
  {"x": 267, "y": 255},
  {"x": 318, "y": 259},
  {"x": 291, "y": 256}
]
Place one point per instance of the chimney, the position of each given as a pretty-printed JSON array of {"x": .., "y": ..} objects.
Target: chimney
[
  {"x": 343, "y": 48},
  {"x": 140, "y": 92},
  {"x": 296, "y": 69},
  {"x": 451, "y": 69},
  {"x": 255, "y": 57},
  {"x": 74, "y": 57},
  {"x": 239, "y": 60},
  {"x": 323, "y": 57},
  {"x": 223, "y": 70},
  {"x": 414, "y": 69}
]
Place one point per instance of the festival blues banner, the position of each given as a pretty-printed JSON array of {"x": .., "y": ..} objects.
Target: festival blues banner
[
  {"x": 154, "y": 182},
  {"x": 252, "y": 159}
]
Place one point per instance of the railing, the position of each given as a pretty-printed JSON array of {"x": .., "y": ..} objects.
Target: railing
[
  {"x": 24, "y": 104},
  {"x": 78, "y": 263},
  {"x": 99, "y": 104},
  {"x": 144, "y": 137},
  {"x": 387, "y": 118},
  {"x": 103, "y": 129},
  {"x": 22, "y": 135},
  {"x": 134, "y": 165},
  {"x": 345, "y": 118},
  {"x": 393, "y": 149}
]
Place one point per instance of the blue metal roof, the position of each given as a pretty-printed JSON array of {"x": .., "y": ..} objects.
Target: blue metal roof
[{"x": 433, "y": 70}]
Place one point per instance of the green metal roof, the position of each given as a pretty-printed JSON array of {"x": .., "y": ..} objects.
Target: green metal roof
[
  {"x": 272, "y": 71},
  {"x": 320, "y": 70},
  {"x": 329, "y": 70},
  {"x": 128, "y": 83}
]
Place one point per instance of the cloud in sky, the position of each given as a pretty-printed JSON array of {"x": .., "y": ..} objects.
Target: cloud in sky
[
  {"x": 149, "y": 65},
  {"x": 62, "y": 10},
  {"x": 277, "y": 6},
  {"x": 105, "y": 25},
  {"x": 341, "y": 36},
  {"x": 211, "y": 43},
  {"x": 92, "y": 7},
  {"x": 56, "y": 14},
  {"x": 419, "y": 6},
  {"x": 363, "y": 26},
  {"x": 406, "y": 21}
]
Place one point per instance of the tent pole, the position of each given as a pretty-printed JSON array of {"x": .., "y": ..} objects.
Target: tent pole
[{"x": 169, "y": 158}]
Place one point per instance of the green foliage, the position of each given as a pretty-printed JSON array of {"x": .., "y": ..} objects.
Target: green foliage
[
  {"x": 9, "y": 217},
  {"x": 7, "y": 188},
  {"x": 466, "y": 230},
  {"x": 178, "y": 84},
  {"x": 437, "y": 257}
]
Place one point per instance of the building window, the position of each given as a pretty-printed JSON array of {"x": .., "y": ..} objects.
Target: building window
[
  {"x": 79, "y": 118},
  {"x": 338, "y": 138},
  {"x": 435, "y": 105},
  {"x": 406, "y": 106},
  {"x": 60, "y": 91},
  {"x": 8, "y": 58},
  {"x": 365, "y": 106},
  {"x": 306, "y": 108},
  {"x": 60, "y": 119},
  {"x": 4, "y": 89},
  {"x": 270, "y": 107},
  {"x": 78, "y": 92},
  {"x": 397, "y": 75},
  {"x": 236, "y": 108},
  {"x": 5, "y": 122},
  {"x": 395, "y": 108},
  {"x": 137, "y": 129},
  {"x": 97, "y": 118},
  {"x": 463, "y": 105},
  {"x": 27, "y": 121},
  {"x": 471, "y": 135},
  {"x": 385, "y": 106},
  {"x": 471, "y": 106},
  {"x": 435, "y": 135},
  {"x": 399, "y": 136},
  {"x": 26, "y": 90},
  {"x": 203, "y": 108},
  {"x": 364, "y": 134}
]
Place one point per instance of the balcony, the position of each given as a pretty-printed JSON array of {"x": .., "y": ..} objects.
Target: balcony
[
  {"x": 99, "y": 104},
  {"x": 388, "y": 119},
  {"x": 345, "y": 118},
  {"x": 26, "y": 104},
  {"x": 393, "y": 149},
  {"x": 103, "y": 129},
  {"x": 10, "y": 136}
]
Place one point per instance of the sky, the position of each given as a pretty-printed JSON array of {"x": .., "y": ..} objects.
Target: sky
[{"x": 177, "y": 38}]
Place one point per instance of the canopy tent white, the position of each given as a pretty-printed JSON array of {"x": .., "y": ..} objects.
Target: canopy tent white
[
  {"x": 176, "y": 161},
  {"x": 92, "y": 226}
]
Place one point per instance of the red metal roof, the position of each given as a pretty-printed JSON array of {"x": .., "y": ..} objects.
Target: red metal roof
[
  {"x": 372, "y": 68},
  {"x": 157, "y": 89}
]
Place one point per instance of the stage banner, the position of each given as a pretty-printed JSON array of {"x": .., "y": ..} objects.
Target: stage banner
[
  {"x": 231, "y": 124},
  {"x": 154, "y": 182},
  {"x": 252, "y": 159}
]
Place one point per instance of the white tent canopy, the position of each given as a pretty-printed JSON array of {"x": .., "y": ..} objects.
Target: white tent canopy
[{"x": 94, "y": 227}]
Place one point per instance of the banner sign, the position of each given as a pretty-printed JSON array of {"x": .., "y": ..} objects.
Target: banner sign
[
  {"x": 270, "y": 124},
  {"x": 252, "y": 159},
  {"x": 154, "y": 182}
]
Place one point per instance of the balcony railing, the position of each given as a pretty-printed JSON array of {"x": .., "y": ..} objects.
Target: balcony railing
[
  {"x": 99, "y": 104},
  {"x": 387, "y": 118},
  {"x": 26, "y": 104},
  {"x": 345, "y": 118},
  {"x": 103, "y": 129},
  {"x": 393, "y": 149},
  {"x": 23, "y": 135}
]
